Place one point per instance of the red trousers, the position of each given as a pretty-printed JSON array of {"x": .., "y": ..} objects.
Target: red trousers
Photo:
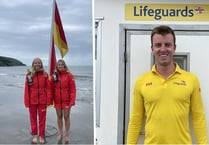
[{"x": 41, "y": 109}]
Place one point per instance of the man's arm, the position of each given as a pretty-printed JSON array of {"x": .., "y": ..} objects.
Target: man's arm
[
  {"x": 136, "y": 117},
  {"x": 198, "y": 115}
]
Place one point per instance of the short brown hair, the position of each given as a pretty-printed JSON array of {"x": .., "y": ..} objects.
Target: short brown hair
[{"x": 162, "y": 30}]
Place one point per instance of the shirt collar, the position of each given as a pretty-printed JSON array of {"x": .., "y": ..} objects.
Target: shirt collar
[{"x": 177, "y": 70}]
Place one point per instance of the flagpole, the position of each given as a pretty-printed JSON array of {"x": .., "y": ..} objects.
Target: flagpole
[{"x": 51, "y": 36}]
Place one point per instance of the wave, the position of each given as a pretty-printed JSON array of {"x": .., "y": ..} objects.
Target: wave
[
  {"x": 14, "y": 85},
  {"x": 84, "y": 89},
  {"x": 3, "y": 74},
  {"x": 83, "y": 75},
  {"x": 85, "y": 100}
]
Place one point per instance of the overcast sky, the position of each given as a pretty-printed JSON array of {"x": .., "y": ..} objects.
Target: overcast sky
[{"x": 25, "y": 29}]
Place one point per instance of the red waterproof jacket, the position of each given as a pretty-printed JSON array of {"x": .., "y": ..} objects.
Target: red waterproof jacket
[
  {"x": 39, "y": 92},
  {"x": 64, "y": 91}
]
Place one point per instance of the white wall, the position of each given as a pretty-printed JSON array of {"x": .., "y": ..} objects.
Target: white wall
[{"x": 113, "y": 13}]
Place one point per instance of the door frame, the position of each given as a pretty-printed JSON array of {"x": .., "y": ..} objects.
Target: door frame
[{"x": 125, "y": 32}]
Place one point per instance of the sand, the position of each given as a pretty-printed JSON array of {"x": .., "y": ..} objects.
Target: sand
[{"x": 15, "y": 124}]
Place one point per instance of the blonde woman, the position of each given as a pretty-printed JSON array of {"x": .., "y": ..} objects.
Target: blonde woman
[
  {"x": 36, "y": 98},
  {"x": 64, "y": 92}
]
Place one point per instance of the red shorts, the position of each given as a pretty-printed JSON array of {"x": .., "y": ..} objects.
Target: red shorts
[{"x": 63, "y": 106}]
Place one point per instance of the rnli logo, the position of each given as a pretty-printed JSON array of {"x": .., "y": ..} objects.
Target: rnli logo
[
  {"x": 199, "y": 10},
  {"x": 149, "y": 84},
  {"x": 43, "y": 110},
  {"x": 183, "y": 83}
]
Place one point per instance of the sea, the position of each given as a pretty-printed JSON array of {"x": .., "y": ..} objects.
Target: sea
[{"x": 12, "y": 83}]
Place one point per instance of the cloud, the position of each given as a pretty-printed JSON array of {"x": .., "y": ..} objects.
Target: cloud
[
  {"x": 16, "y": 3},
  {"x": 25, "y": 29},
  {"x": 37, "y": 27}
]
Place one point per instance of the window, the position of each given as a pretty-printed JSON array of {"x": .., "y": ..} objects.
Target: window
[{"x": 181, "y": 58}]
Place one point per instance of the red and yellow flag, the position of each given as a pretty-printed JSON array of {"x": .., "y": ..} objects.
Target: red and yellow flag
[
  {"x": 57, "y": 38},
  {"x": 59, "y": 35}
]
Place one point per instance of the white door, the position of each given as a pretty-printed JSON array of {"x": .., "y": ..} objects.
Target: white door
[{"x": 190, "y": 43}]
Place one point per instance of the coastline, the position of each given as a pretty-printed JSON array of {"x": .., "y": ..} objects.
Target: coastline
[{"x": 8, "y": 61}]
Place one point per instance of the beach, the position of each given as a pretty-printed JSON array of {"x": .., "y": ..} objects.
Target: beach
[
  {"x": 14, "y": 117},
  {"x": 15, "y": 125}
]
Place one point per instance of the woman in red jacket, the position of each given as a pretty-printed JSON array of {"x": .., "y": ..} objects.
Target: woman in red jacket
[
  {"x": 64, "y": 92},
  {"x": 36, "y": 98}
]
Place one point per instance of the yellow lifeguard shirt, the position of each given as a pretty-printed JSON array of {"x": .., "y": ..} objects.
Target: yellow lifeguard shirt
[{"x": 166, "y": 104}]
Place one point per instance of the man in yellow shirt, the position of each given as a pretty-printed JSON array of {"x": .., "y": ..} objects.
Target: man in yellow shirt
[{"x": 165, "y": 96}]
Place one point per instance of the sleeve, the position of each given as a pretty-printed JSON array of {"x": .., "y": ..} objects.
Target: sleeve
[
  {"x": 136, "y": 116},
  {"x": 198, "y": 114},
  {"x": 26, "y": 93},
  {"x": 72, "y": 89},
  {"x": 49, "y": 91}
]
